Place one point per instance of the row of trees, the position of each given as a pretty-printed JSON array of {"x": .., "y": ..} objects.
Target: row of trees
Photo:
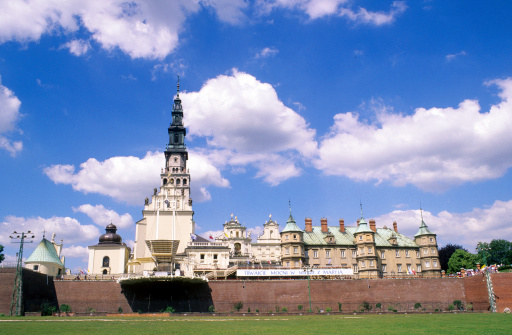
[{"x": 453, "y": 257}]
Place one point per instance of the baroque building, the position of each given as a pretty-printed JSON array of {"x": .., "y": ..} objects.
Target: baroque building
[
  {"x": 110, "y": 255},
  {"x": 46, "y": 258}
]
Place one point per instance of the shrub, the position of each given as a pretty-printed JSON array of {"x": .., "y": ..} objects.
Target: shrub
[
  {"x": 378, "y": 305},
  {"x": 120, "y": 309},
  {"x": 417, "y": 305},
  {"x": 211, "y": 309},
  {"x": 91, "y": 310},
  {"x": 436, "y": 310},
  {"x": 278, "y": 309},
  {"x": 300, "y": 307},
  {"x": 169, "y": 309},
  {"x": 451, "y": 307},
  {"x": 238, "y": 306},
  {"x": 284, "y": 309},
  {"x": 391, "y": 308},
  {"x": 469, "y": 307},
  {"x": 65, "y": 308},
  {"x": 339, "y": 307},
  {"x": 248, "y": 309},
  {"x": 48, "y": 309},
  {"x": 458, "y": 304},
  {"x": 257, "y": 310},
  {"x": 328, "y": 309},
  {"x": 139, "y": 311},
  {"x": 366, "y": 306}
]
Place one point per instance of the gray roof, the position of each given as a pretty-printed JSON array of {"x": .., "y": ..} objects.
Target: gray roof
[
  {"x": 45, "y": 252},
  {"x": 316, "y": 237}
]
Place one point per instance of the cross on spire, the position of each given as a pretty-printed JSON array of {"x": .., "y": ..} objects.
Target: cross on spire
[{"x": 178, "y": 86}]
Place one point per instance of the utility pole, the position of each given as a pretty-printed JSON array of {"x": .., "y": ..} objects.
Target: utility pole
[{"x": 17, "y": 292}]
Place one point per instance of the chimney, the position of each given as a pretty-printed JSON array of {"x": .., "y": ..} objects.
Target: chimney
[
  {"x": 395, "y": 226},
  {"x": 342, "y": 225},
  {"x": 309, "y": 225},
  {"x": 372, "y": 225},
  {"x": 323, "y": 221}
]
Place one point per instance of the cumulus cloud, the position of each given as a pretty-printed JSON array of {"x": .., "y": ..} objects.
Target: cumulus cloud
[
  {"x": 77, "y": 47},
  {"x": 432, "y": 149},
  {"x": 142, "y": 29},
  {"x": 103, "y": 217},
  {"x": 76, "y": 251},
  {"x": 150, "y": 29},
  {"x": 9, "y": 117},
  {"x": 319, "y": 8},
  {"x": 245, "y": 123},
  {"x": 131, "y": 179},
  {"x": 480, "y": 224},
  {"x": 66, "y": 228}
]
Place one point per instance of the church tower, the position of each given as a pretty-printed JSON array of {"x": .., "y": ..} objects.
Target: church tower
[{"x": 168, "y": 222}]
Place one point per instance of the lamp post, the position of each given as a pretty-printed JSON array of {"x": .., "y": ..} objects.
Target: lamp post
[
  {"x": 18, "y": 280},
  {"x": 308, "y": 268}
]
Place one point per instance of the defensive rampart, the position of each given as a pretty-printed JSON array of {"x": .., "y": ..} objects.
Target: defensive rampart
[{"x": 261, "y": 295}]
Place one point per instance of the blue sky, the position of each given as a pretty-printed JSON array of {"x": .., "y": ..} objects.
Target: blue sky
[{"x": 326, "y": 103}]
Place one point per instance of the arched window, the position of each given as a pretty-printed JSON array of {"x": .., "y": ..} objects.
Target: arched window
[
  {"x": 105, "y": 272},
  {"x": 106, "y": 262},
  {"x": 177, "y": 181},
  {"x": 184, "y": 182}
]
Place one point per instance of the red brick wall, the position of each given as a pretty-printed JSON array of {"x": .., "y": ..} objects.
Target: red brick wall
[
  {"x": 399, "y": 294},
  {"x": 108, "y": 296},
  {"x": 102, "y": 296},
  {"x": 476, "y": 292},
  {"x": 502, "y": 285}
]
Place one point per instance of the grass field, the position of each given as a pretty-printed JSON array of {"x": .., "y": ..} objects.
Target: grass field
[{"x": 474, "y": 323}]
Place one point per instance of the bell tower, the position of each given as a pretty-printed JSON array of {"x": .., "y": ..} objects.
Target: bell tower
[{"x": 168, "y": 224}]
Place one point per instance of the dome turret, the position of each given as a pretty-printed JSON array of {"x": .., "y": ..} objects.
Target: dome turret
[{"x": 110, "y": 237}]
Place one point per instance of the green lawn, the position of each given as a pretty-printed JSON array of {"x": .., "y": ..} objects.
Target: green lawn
[{"x": 474, "y": 323}]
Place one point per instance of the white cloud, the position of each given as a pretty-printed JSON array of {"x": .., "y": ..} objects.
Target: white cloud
[
  {"x": 245, "y": 123},
  {"x": 433, "y": 148},
  {"x": 362, "y": 15},
  {"x": 75, "y": 251},
  {"x": 480, "y": 224},
  {"x": 451, "y": 57},
  {"x": 103, "y": 217},
  {"x": 131, "y": 179},
  {"x": 77, "y": 47},
  {"x": 230, "y": 11},
  {"x": 267, "y": 52},
  {"x": 142, "y": 29},
  {"x": 319, "y": 8},
  {"x": 9, "y": 117},
  {"x": 66, "y": 228},
  {"x": 150, "y": 29}
]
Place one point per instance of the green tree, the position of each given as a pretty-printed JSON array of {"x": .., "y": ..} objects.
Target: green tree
[
  {"x": 2, "y": 257},
  {"x": 497, "y": 252},
  {"x": 461, "y": 259},
  {"x": 501, "y": 252},
  {"x": 446, "y": 252}
]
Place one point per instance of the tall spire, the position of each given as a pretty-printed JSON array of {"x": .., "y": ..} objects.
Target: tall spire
[{"x": 178, "y": 87}]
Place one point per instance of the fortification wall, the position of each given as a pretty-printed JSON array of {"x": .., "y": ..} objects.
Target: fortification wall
[
  {"x": 37, "y": 289},
  {"x": 400, "y": 294},
  {"x": 502, "y": 284}
]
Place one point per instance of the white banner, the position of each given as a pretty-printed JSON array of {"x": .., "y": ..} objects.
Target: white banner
[{"x": 291, "y": 273}]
